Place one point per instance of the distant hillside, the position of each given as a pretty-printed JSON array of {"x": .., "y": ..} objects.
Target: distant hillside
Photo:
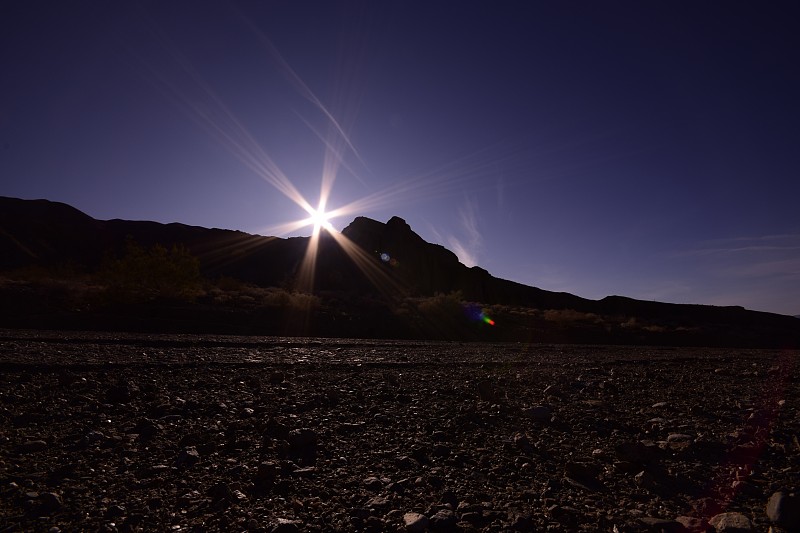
[{"x": 402, "y": 267}]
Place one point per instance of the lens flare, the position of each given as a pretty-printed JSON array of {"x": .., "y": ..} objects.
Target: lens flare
[
  {"x": 478, "y": 314},
  {"x": 201, "y": 103}
]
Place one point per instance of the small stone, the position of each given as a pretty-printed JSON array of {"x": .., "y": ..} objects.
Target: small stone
[
  {"x": 644, "y": 479},
  {"x": 33, "y": 446},
  {"x": 731, "y": 523},
  {"x": 187, "y": 457},
  {"x": 406, "y": 463},
  {"x": 523, "y": 443},
  {"x": 266, "y": 474},
  {"x": 660, "y": 524},
  {"x": 744, "y": 487},
  {"x": 122, "y": 392},
  {"x": 636, "y": 452},
  {"x": 115, "y": 511},
  {"x": 377, "y": 503},
  {"x": 305, "y": 472},
  {"x": 691, "y": 523},
  {"x": 577, "y": 470},
  {"x": 284, "y": 525},
  {"x": 220, "y": 491},
  {"x": 784, "y": 510},
  {"x": 303, "y": 444},
  {"x": 443, "y": 520},
  {"x": 679, "y": 437},
  {"x": 552, "y": 390},
  {"x": 373, "y": 523},
  {"x": 415, "y": 522},
  {"x": 539, "y": 413},
  {"x": 276, "y": 430},
  {"x": 51, "y": 502}
]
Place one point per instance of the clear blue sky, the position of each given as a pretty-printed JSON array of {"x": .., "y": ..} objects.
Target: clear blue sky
[{"x": 647, "y": 149}]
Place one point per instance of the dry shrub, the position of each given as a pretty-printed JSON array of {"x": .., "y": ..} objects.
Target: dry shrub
[
  {"x": 570, "y": 315},
  {"x": 276, "y": 297},
  {"x": 146, "y": 274}
]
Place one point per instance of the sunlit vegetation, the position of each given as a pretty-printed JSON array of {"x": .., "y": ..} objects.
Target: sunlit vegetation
[
  {"x": 145, "y": 274},
  {"x": 233, "y": 293},
  {"x": 163, "y": 289}
]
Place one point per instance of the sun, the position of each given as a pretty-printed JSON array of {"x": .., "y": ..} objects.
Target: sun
[{"x": 320, "y": 219}]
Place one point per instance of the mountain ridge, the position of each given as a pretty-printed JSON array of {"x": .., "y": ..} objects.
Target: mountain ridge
[{"x": 45, "y": 233}]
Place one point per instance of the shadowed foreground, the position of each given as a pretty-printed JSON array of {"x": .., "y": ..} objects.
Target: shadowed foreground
[{"x": 126, "y": 433}]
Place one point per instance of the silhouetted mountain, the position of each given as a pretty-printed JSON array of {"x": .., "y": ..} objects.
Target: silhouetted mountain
[{"x": 394, "y": 264}]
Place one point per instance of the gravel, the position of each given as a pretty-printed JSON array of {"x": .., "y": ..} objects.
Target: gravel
[{"x": 182, "y": 433}]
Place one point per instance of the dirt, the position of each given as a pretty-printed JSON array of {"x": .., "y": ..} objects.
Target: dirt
[{"x": 107, "y": 432}]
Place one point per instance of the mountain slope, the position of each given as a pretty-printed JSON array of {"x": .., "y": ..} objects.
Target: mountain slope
[{"x": 396, "y": 264}]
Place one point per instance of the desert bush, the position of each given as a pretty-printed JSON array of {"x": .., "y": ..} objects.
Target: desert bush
[
  {"x": 275, "y": 297},
  {"x": 227, "y": 283},
  {"x": 450, "y": 304},
  {"x": 570, "y": 315},
  {"x": 145, "y": 274}
]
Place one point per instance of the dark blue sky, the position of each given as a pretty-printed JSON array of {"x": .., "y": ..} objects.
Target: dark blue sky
[{"x": 636, "y": 148}]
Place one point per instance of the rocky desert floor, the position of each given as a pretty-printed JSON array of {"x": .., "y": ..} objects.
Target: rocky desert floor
[{"x": 103, "y": 432}]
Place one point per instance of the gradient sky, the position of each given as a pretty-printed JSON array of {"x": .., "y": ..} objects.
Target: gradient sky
[{"x": 646, "y": 149}]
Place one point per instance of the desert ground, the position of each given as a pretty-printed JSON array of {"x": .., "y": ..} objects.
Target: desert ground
[{"x": 107, "y": 432}]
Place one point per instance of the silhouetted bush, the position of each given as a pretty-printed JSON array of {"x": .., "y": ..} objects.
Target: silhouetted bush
[{"x": 147, "y": 274}]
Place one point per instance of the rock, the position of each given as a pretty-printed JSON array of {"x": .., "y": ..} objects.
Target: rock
[
  {"x": 690, "y": 523},
  {"x": 147, "y": 429},
  {"x": 472, "y": 517},
  {"x": 303, "y": 445},
  {"x": 378, "y": 503},
  {"x": 93, "y": 437},
  {"x": 523, "y": 443},
  {"x": 266, "y": 474},
  {"x": 276, "y": 430},
  {"x": 660, "y": 525},
  {"x": 284, "y": 525},
  {"x": 373, "y": 523},
  {"x": 122, "y": 392},
  {"x": 443, "y": 520},
  {"x": 578, "y": 470},
  {"x": 539, "y": 413},
  {"x": 730, "y": 523},
  {"x": 373, "y": 483},
  {"x": 405, "y": 462},
  {"x": 50, "y": 502},
  {"x": 644, "y": 479},
  {"x": 487, "y": 391},
  {"x": 640, "y": 452},
  {"x": 583, "y": 476},
  {"x": 415, "y": 522},
  {"x": 32, "y": 446},
  {"x": 567, "y": 516},
  {"x": 679, "y": 437},
  {"x": 187, "y": 457},
  {"x": 305, "y": 472},
  {"x": 552, "y": 390},
  {"x": 219, "y": 492},
  {"x": 784, "y": 510},
  {"x": 115, "y": 511},
  {"x": 745, "y": 488}
]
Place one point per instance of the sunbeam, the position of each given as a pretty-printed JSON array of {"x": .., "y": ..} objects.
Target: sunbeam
[{"x": 202, "y": 104}]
